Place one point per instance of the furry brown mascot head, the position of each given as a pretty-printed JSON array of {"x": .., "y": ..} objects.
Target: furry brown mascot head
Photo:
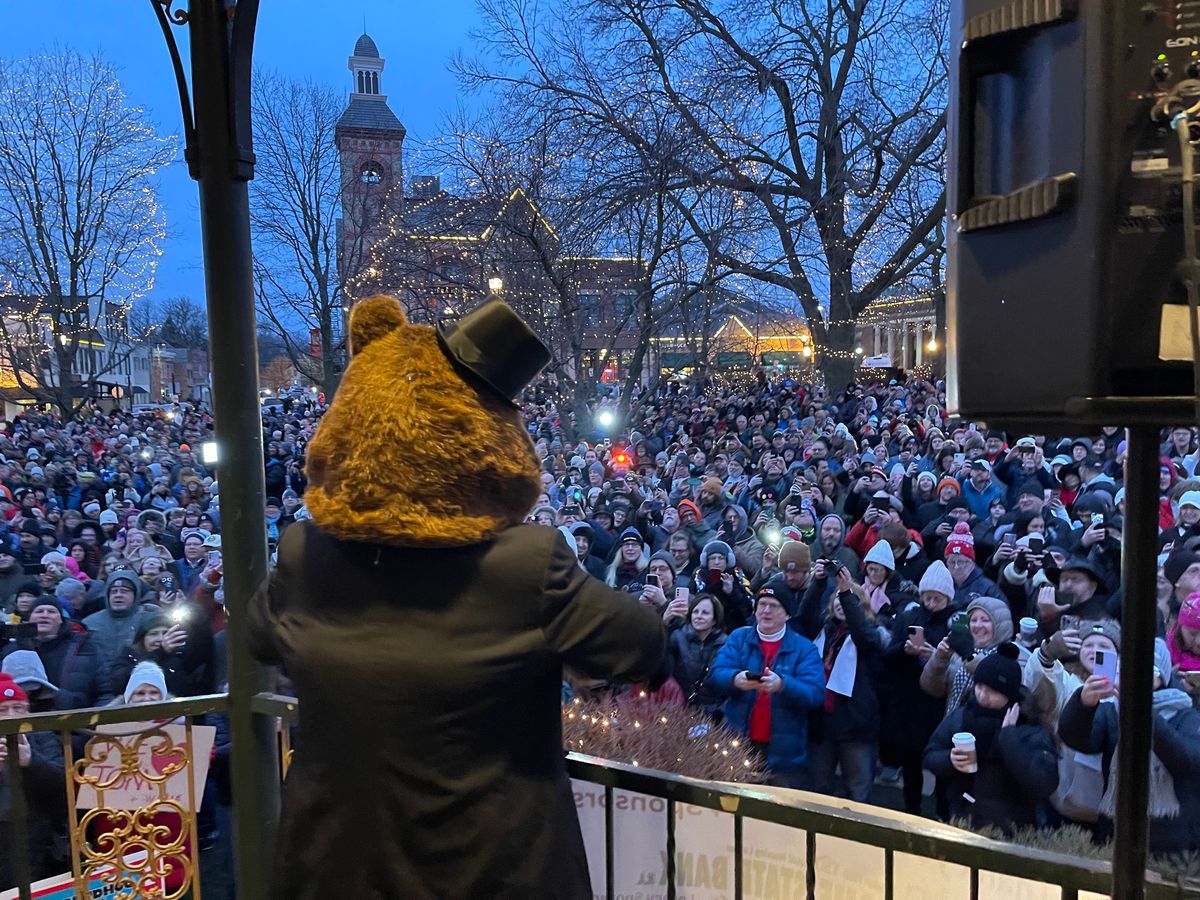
[{"x": 415, "y": 451}]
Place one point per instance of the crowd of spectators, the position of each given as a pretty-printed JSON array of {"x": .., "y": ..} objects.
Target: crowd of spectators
[
  {"x": 875, "y": 593},
  {"x": 111, "y": 578},
  {"x": 870, "y": 592}
]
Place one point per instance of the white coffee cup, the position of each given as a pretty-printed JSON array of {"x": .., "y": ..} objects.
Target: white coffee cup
[
  {"x": 1029, "y": 627},
  {"x": 965, "y": 741}
]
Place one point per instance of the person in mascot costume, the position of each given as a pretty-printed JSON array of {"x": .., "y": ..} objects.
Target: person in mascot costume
[{"x": 425, "y": 629}]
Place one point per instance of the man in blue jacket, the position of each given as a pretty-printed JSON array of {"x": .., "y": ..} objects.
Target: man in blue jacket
[{"x": 773, "y": 677}]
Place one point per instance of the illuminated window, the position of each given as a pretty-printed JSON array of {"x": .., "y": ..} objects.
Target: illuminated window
[{"x": 371, "y": 173}]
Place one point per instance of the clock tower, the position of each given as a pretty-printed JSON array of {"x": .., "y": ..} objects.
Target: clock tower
[{"x": 370, "y": 143}]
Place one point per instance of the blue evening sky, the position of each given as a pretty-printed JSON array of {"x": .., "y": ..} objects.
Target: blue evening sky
[{"x": 300, "y": 38}]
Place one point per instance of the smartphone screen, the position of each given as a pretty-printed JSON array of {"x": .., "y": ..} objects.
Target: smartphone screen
[
  {"x": 652, "y": 580},
  {"x": 1009, "y": 538}
]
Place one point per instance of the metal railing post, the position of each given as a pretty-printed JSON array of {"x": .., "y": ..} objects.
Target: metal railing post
[
  {"x": 1138, "y": 629},
  {"x": 18, "y": 819},
  {"x": 223, "y": 163}
]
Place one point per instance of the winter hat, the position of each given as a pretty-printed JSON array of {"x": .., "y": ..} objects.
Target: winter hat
[
  {"x": 26, "y": 669},
  {"x": 148, "y": 623},
  {"x": 1189, "y": 613},
  {"x": 125, "y": 575},
  {"x": 1033, "y": 487},
  {"x": 91, "y": 509},
  {"x": 108, "y": 517},
  {"x": 1110, "y": 628},
  {"x": 961, "y": 542},
  {"x": 713, "y": 485},
  {"x": 689, "y": 506},
  {"x": 716, "y": 547},
  {"x": 881, "y": 554},
  {"x": 583, "y": 528},
  {"x": 53, "y": 600},
  {"x": 1190, "y": 498},
  {"x": 1001, "y": 672},
  {"x": 666, "y": 557},
  {"x": 937, "y": 578},
  {"x": 1178, "y": 563},
  {"x": 10, "y": 690},
  {"x": 631, "y": 536},
  {"x": 794, "y": 555},
  {"x": 926, "y": 476},
  {"x": 570, "y": 538},
  {"x": 958, "y": 503},
  {"x": 949, "y": 482},
  {"x": 149, "y": 673}
]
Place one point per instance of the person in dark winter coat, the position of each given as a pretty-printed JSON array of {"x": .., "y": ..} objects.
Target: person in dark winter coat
[
  {"x": 693, "y": 649},
  {"x": 844, "y": 732},
  {"x": 41, "y": 761},
  {"x": 1013, "y": 767},
  {"x": 70, "y": 660},
  {"x": 773, "y": 678},
  {"x": 721, "y": 578},
  {"x": 162, "y": 641},
  {"x": 1089, "y": 724},
  {"x": 431, "y": 746},
  {"x": 910, "y": 715},
  {"x": 112, "y": 629}
]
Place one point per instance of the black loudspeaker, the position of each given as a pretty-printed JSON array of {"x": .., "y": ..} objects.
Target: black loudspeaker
[{"x": 1064, "y": 204}]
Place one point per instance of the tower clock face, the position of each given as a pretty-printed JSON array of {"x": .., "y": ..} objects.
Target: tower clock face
[{"x": 371, "y": 173}]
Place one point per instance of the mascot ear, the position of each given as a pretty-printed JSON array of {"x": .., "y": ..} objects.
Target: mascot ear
[{"x": 372, "y": 318}]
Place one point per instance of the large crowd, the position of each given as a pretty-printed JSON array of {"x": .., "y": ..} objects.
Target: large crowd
[
  {"x": 873, "y": 593},
  {"x": 867, "y": 590},
  {"x": 111, "y": 581}
]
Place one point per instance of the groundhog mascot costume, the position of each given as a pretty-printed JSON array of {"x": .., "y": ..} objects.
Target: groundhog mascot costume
[{"x": 425, "y": 630}]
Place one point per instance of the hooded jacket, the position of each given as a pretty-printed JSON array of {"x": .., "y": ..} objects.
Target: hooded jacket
[
  {"x": 73, "y": 666},
  {"x": 841, "y": 552},
  {"x": 112, "y": 631},
  {"x": 692, "y": 657},
  {"x": 747, "y": 548},
  {"x": 431, "y": 742}
]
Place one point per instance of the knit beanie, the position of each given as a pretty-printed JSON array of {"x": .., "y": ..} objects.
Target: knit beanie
[
  {"x": 631, "y": 536},
  {"x": 1189, "y": 613},
  {"x": 961, "y": 542},
  {"x": 713, "y": 485},
  {"x": 149, "y": 673},
  {"x": 1110, "y": 628},
  {"x": 689, "y": 506},
  {"x": 666, "y": 557},
  {"x": 937, "y": 578},
  {"x": 949, "y": 482},
  {"x": 926, "y": 476},
  {"x": 794, "y": 555},
  {"x": 125, "y": 575},
  {"x": 1001, "y": 672},
  {"x": 10, "y": 690},
  {"x": 1178, "y": 563},
  {"x": 881, "y": 554},
  {"x": 717, "y": 547}
]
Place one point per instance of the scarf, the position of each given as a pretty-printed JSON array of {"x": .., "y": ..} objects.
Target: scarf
[
  {"x": 273, "y": 526},
  {"x": 1164, "y": 803},
  {"x": 963, "y": 679},
  {"x": 840, "y": 657},
  {"x": 878, "y": 596},
  {"x": 777, "y": 636}
]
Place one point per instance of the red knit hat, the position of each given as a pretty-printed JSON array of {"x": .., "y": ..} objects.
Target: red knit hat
[
  {"x": 961, "y": 542},
  {"x": 689, "y": 506},
  {"x": 10, "y": 690},
  {"x": 949, "y": 482}
]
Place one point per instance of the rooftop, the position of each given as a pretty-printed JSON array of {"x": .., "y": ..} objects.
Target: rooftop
[{"x": 364, "y": 46}]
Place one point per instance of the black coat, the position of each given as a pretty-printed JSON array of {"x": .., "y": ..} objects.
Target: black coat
[
  {"x": 691, "y": 658},
  {"x": 430, "y": 740},
  {"x": 1176, "y": 743},
  {"x": 1018, "y": 769},
  {"x": 74, "y": 668},
  {"x": 909, "y": 714},
  {"x": 853, "y": 718}
]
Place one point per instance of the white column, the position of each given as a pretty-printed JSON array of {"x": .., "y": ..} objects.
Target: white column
[
  {"x": 878, "y": 340},
  {"x": 891, "y": 345},
  {"x": 920, "y": 343}
]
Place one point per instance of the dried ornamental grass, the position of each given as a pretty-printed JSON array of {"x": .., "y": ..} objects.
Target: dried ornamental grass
[{"x": 642, "y": 733}]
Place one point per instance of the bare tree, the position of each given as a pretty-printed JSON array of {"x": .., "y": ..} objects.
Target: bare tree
[
  {"x": 80, "y": 224},
  {"x": 184, "y": 323},
  {"x": 823, "y": 119},
  {"x": 295, "y": 206}
]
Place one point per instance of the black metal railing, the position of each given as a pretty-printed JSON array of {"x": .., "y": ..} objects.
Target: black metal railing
[{"x": 813, "y": 815}]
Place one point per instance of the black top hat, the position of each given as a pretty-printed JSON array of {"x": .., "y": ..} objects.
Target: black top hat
[{"x": 494, "y": 346}]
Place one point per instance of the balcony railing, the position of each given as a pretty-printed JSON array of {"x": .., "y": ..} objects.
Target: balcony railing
[{"x": 818, "y": 822}]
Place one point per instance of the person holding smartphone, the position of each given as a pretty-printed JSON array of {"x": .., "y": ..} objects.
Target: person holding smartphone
[
  {"x": 773, "y": 678},
  {"x": 1088, "y": 724}
]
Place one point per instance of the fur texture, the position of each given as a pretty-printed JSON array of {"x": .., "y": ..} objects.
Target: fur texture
[{"x": 409, "y": 454}]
